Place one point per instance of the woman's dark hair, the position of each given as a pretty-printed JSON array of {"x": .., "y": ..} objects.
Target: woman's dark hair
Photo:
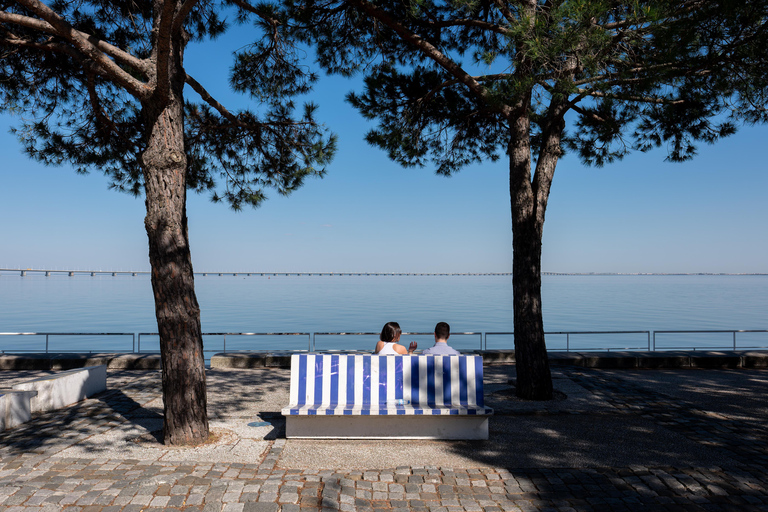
[{"x": 390, "y": 332}]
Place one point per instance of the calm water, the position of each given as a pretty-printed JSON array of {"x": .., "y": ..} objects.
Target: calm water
[{"x": 323, "y": 304}]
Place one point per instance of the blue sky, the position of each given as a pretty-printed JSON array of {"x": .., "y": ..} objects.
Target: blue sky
[{"x": 368, "y": 214}]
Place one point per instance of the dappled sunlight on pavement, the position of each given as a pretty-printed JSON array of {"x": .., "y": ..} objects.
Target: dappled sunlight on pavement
[{"x": 612, "y": 440}]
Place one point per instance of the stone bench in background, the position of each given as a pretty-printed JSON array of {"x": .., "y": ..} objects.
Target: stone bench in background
[
  {"x": 15, "y": 407},
  {"x": 50, "y": 392}
]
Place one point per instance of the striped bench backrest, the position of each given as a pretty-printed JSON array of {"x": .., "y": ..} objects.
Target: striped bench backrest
[{"x": 365, "y": 380}]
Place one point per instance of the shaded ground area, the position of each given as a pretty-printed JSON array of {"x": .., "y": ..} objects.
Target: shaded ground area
[{"x": 614, "y": 440}]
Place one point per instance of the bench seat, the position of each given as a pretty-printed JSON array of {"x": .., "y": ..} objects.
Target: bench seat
[
  {"x": 370, "y": 396},
  {"x": 384, "y": 410}
]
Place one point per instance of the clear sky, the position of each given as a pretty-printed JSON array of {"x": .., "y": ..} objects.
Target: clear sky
[{"x": 370, "y": 215}]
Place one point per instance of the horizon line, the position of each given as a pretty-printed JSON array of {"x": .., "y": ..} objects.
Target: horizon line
[{"x": 71, "y": 272}]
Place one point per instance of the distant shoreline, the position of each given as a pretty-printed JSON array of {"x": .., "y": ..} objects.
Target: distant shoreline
[
  {"x": 47, "y": 272},
  {"x": 654, "y": 274}
]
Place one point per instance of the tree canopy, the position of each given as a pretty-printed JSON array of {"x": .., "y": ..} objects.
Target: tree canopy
[
  {"x": 77, "y": 73},
  {"x": 443, "y": 78},
  {"x": 454, "y": 82}
]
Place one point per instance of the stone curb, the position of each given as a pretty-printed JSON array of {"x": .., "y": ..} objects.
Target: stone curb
[{"x": 608, "y": 360}]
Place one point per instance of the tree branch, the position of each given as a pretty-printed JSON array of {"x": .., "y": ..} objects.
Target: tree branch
[
  {"x": 162, "y": 27},
  {"x": 43, "y": 26},
  {"x": 613, "y": 78},
  {"x": 178, "y": 21},
  {"x": 428, "y": 49},
  {"x": 232, "y": 118},
  {"x": 206, "y": 96},
  {"x": 504, "y": 10},
  {"x": 103, "y": 122},
  {"x": 13, "y": 40},
  {"x": 91, "y": 48},
  {"x": 492, "y": 27},
  {"x": 638, "y": 99},
  {"x": 584, "y": 113}
]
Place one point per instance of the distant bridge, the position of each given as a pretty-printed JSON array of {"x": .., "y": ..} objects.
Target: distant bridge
[{"x": 48, "y": 272}]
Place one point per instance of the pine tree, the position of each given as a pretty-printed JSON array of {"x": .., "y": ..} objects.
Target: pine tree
[
  {"x": 454, "y": 82},
  {"x": 102, "y": 85}
]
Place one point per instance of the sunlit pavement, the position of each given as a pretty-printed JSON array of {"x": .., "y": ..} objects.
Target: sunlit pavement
[{"x": 613, "y": 440}]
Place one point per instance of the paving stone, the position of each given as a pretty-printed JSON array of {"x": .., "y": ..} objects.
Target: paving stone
[{"x": 34, "y": 481}]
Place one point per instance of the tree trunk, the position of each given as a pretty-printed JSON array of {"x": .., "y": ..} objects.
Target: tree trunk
[
  {"x": 176, "y": 307},
  {"x": 534, "y": 380}
]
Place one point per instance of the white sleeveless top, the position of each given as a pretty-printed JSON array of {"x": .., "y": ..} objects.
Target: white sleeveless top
[{"x": 388, "y": 350}]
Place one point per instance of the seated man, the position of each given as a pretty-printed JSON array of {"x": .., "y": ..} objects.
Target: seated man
[{"x": 441, "y": 348}]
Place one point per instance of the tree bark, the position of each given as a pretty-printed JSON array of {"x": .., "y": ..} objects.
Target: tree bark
[
  {"x": 176, "y": 307},
  {"x": 534, "y": 379}
]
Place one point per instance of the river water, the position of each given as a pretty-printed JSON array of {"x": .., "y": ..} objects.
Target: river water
[{"x": 313, "y": 305}]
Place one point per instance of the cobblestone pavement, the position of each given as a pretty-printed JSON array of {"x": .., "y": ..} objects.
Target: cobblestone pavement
[{"x": 59, "y": 460}]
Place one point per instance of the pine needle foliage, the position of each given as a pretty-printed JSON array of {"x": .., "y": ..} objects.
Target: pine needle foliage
[
  {"x": 633, "y": 75},
  {"x": 72, "y": 110}
]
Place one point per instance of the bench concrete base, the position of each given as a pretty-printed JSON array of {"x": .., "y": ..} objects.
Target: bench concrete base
[
  {"x": 65, "y": 388},
  {"x": 387, "y": 427}
]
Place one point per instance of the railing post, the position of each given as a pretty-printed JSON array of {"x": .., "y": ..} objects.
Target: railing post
[
  {"x": 311, "y": 341},
  {"x": 46, "y": 343},
  {"x": 139, "y": 351},
  {"x": 225, "y": 343},
  {"x": 649, "y": 341},
  {"x": 567, "y": 342},
  {"x": 734, "y": 340}
]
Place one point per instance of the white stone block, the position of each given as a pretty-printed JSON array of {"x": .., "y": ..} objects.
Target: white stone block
[
  {"x": 65, "y": 388},
  {"x": 15, "y": 408}
]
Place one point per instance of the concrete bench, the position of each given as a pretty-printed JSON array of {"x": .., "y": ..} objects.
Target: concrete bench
[
  {"x": 65, "y": 388},
  {"x": 370, "y": 396},
  {"x": 15, "y": 407}
]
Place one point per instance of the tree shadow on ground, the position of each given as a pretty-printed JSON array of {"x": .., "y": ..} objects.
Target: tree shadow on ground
[
  {"x": 247, "y": 392},
  {"x": 123, "y": 403},
  {"x": 671, "y": 435},
  {"x": 52, "y": 431}
]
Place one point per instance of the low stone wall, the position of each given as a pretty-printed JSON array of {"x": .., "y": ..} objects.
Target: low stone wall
[
  {"x": 14, "y": 408},
  {"x": 68, "y": 361},
  {"x": 64, "y": 388},
  {"x": 612, "y": 359},
  {"x": 49, "y": 392}
]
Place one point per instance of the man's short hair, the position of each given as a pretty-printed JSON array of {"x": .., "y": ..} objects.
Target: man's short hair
[{"x": 442, "y": 330}]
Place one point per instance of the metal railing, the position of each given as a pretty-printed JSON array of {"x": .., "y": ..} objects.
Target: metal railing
[
  {"x": 49, "y": 334},
  {"x": 314, "y": 345},
  {"x": 568, "y": 339},
  {"x": 311, "y": 344},
  {"x": 225, "y": 334},
  {"x": 734, "y": 346}
]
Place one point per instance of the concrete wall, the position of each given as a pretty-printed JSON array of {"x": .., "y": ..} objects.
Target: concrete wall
[
  {"x": 14, "y": 408},
  {"x": 65, "y": 388}
]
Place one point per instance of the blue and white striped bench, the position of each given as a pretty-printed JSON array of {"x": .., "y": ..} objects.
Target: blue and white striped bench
[{"x": 369, "y": 396}]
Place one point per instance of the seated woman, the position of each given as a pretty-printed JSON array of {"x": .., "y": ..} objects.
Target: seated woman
[{"x": 388, "y": 346}]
